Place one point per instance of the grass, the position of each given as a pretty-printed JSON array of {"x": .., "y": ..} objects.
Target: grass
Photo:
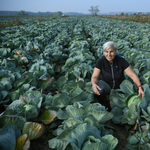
[
  {"x": 136, "y": 18},
  {"x": 10, "y": 21},
  {"x": 64, "y": 16},
  {"x": 14, "y": 22}
]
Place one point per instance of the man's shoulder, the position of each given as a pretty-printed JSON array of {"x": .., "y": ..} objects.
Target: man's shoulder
[
  {"x": 121, "y": 60},
  {"x": 102, "y": 58},
  {"x": 119, "y": 57}
]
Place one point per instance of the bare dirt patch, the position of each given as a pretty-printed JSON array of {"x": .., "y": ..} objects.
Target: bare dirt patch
[{"x": 121, "y": 133}]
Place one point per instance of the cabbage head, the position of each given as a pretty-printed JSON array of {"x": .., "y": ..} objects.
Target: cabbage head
[{"x": 134, "y": 99}]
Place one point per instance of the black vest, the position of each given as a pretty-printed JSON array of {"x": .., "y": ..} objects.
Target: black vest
[{"x": 112, "y": 73}]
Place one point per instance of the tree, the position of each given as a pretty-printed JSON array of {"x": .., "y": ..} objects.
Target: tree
[
  {"x": 122, "y": 14},
  {"x": 94, "y": 10},
  {"x": 22, "y": 13},
  {"x": 57, "y": 14},
  {"x": 140, "y": 13}
]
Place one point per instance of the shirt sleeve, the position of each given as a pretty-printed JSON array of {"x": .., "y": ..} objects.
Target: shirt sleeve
[
  {"x": 125, "y": 64},
  {"x": 98, "y": 64}
]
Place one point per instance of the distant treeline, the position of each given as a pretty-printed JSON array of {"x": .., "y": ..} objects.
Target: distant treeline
[
  {"x": 15, "y": 13},
  {"x": 24, "y": 13}
]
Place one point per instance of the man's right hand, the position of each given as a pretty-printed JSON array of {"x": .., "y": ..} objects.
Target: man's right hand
[{"x": 96, "y": 88}]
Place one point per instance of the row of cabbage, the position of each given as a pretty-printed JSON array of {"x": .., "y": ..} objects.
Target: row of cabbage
[
  {"x": 83, "y": 125},
  {"x": 133, "y": 41},
  {"x": 45, "y": 79},
  {"x": 26, "y": 69}
]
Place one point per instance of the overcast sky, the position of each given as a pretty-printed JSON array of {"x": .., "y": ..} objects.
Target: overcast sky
[{"x": 80, "y": 6}]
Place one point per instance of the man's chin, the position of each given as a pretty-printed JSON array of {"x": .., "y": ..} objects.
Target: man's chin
[{"x": 109, "y": 59}]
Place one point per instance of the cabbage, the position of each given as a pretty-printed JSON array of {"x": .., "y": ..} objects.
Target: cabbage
[
  {"x": 134, "y": 100},
  {"x": 124, "y": 104}
]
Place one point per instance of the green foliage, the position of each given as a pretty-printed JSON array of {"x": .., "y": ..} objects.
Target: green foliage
[
  {"x": 140, "y": 140},
  {"x": 57, "y": 14},
  {"x": 45, "y": 72},
  {"x": 83, "y": 125},
  {"x": 126, "y": 101}
]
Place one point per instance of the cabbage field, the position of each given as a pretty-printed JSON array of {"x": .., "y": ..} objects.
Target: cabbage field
[{"x": 45, "y": 88}]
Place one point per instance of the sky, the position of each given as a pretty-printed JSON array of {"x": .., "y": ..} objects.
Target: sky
[{"x": 81, "y": 6}]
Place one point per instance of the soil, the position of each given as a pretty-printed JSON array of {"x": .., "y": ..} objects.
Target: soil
[
  {"x": 42, "y": 142},
  {"x": 121, "y": 134}
]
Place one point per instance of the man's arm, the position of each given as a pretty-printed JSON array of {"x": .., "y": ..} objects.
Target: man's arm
[
  {"x": 94, "y": 80},
  {"x": 135, "y": 79}
]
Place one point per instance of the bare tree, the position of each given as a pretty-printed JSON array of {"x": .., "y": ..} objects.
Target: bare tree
[
  {"x": 91, "y": 10},
  {"x": 94, "y": 10}
]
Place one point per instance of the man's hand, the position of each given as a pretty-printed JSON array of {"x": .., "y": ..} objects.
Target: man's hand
[{"x": 95, "y": 89}]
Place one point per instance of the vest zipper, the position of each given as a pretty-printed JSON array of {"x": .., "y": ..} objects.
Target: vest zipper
[{"x": 112, "y": 75}]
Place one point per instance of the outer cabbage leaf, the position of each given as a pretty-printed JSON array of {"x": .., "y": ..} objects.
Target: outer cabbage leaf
[
  {"x": 130, "y": 115},
  {"x": 127, "y": 87},
  {"x": 33, "y": 130},
  {"x": 16, "y": 120},
  {"x": 8, "y": 136},
  {"x": 81, "y": 132},
  {"x": 60, "y": 101},
  {"x": 140, "y": 140}
]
